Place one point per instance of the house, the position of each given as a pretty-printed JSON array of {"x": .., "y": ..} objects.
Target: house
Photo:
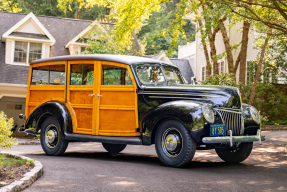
[{"x": 26, "y": 37}]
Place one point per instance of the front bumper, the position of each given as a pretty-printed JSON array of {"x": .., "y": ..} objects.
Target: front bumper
[{"x": 231, "y": 139}]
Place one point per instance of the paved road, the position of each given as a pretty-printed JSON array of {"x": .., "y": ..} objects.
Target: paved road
[{"x": 88, "y": 167}]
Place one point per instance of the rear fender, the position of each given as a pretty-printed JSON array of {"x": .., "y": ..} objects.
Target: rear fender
[{"x": 54, "y": 109}]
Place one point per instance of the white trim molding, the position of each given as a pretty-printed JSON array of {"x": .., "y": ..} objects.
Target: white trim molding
[
  {"x": 38, "y": 24},
  {"x": 13, "y": 90}
]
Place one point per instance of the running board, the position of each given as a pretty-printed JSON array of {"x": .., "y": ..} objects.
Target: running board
[{"x": 104, "y": 139}]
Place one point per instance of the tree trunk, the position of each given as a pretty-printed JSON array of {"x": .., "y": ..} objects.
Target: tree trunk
[
  {"x": 229, "y": 54},
  {"x": 213, "y": 53},
  {"x": 208, "y": 64},
  {"x": 243, "y": 55},
  {"x": 259, "y": 68}
]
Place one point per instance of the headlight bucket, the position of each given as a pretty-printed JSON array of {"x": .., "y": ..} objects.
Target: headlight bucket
[
  {"x": 255, "y": 114},
  {"x": 208, "y": 113}
]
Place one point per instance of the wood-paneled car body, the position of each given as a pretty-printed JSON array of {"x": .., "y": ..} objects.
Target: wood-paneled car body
[{"x": 119, "y": 100}]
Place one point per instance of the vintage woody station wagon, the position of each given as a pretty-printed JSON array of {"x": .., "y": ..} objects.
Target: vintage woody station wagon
[{"x": 119, "y": 100}]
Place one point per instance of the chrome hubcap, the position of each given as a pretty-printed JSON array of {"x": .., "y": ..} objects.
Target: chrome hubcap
[
  {"x": 172, "y": 142},
  {"x": 51, "y": 136}
]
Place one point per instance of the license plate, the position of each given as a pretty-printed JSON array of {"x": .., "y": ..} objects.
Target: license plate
[{"x": 217, "y": 129}]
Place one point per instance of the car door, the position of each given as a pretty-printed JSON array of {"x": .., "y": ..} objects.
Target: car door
[
  {"x": 117, "y": 99},
  {"x": 81, "y": 95}
]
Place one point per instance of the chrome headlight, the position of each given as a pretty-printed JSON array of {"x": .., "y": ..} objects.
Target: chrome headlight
[
  {"x": 208, "y": 113},
  {"x": 255, "y": 114}
]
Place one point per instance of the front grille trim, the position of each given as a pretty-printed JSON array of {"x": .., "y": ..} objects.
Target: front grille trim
[{"x": 232, "y": 120}]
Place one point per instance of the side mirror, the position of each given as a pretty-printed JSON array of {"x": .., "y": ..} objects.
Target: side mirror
[{"x": 21, "y": 116}]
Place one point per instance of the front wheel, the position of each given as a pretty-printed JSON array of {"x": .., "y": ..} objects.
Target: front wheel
[
  {"x": 174, "y": 145},
  {"x": 51, "y": 141},
  {"x": 114, "y": 148},
  {"x": 235, "y": 155}
]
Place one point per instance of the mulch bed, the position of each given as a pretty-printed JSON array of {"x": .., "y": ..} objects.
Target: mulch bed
[
  {"x": 273, "y": 127},
  {"x": 18, "y": 173}
]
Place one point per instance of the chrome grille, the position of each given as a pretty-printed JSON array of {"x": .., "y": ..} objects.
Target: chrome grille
[{"x": 232, "y": 121}]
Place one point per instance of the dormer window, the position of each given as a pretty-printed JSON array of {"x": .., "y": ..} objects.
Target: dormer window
[
  {"x": 23, "y": 48},
  {"x": 26, "y": 41}
]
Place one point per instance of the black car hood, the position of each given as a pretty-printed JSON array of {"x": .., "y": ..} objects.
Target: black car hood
[{"x": 213, "y": 95}]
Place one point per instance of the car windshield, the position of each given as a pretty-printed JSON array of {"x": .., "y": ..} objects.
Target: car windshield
[{"x": 149, "y": 74}]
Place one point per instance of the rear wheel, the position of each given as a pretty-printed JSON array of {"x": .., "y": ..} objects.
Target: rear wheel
[
  {"x": 235, "y": 155},
  {"x": 174, "y": 145},
  {"x": 114, "y": 148},
  {"x": 51, "y": 141}
]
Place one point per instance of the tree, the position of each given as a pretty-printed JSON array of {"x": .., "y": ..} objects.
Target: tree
[
  {"x": 272, "y": 13},
  {"x": 211, "y": 19},
  {"x": 258, "y": 72},
  {"x": 102, "y": 41},
  {"x": 130, "y": 15},
  {"x": 155, "y": 35}
]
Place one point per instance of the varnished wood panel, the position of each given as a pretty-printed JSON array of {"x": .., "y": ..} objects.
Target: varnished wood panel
[
  {"x": 117, "y": 98},
  {"x": 84, "y": 119},
  {"x": 31, "y": 109},
  {"x": 81, "y": 97},
  {"x": 41, "y": 96},
  {"x": 117, "y": 121}
]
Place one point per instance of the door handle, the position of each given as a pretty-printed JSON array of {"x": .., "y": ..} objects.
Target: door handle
[
  {"x": 91, "y": 95},
  {"x": 99, "y": 96}
]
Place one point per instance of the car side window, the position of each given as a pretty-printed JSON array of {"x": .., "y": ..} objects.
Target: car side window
[
  {"x": 48, "y": 75},
  {"x": 82, "y": 74},
  {"x": 114, "y": 75}
]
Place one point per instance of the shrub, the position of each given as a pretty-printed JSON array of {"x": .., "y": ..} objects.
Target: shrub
[
  {"x": 269, "y": 100},
  {"x": 222, "y": 79},
  {"x": 6, "y": 125}
]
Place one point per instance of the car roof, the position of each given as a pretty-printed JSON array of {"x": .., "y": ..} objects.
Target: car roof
[{"x": 101, "y": 57}]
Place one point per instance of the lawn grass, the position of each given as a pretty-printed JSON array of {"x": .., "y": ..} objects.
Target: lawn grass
[{"x": 11, "y": 162}]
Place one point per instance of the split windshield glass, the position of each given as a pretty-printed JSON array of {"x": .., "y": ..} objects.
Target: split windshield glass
[{"x": 151, "y": 74}]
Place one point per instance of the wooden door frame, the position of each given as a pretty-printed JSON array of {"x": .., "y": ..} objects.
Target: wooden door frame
[
  {"x": 101, "y": 87},
  {"x": 80, "y": 88}
]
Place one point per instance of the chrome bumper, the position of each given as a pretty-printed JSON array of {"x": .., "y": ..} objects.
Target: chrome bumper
[{"x": 231, "y": 139}]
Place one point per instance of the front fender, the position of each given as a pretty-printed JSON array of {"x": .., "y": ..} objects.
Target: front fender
[
  {"x": 56, "y": 109},
  {"x": 250, "y": 126},
  {"x": 187, "y": 112}
]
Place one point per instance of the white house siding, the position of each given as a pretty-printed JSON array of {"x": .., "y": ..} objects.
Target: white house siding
[
  {"x": 30, "y": 27},
  {"x": 188, "y": 52}
]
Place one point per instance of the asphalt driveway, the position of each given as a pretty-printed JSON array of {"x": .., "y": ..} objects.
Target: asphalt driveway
[{"x": 88, "y": 167}]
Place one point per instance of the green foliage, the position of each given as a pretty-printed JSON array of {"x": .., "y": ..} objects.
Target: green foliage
[
  {"x": 269, "y": 101},
  {"x": 222, "y": 79},
  {"x": 49, "y": 8},
  {"x": 6, "y": 125},
  {"x": 155, "y": 34},
  {"x": 103, "y": 41},
  {"x": 131, "y": 16},
  {"x": 10, "y": 6}
]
